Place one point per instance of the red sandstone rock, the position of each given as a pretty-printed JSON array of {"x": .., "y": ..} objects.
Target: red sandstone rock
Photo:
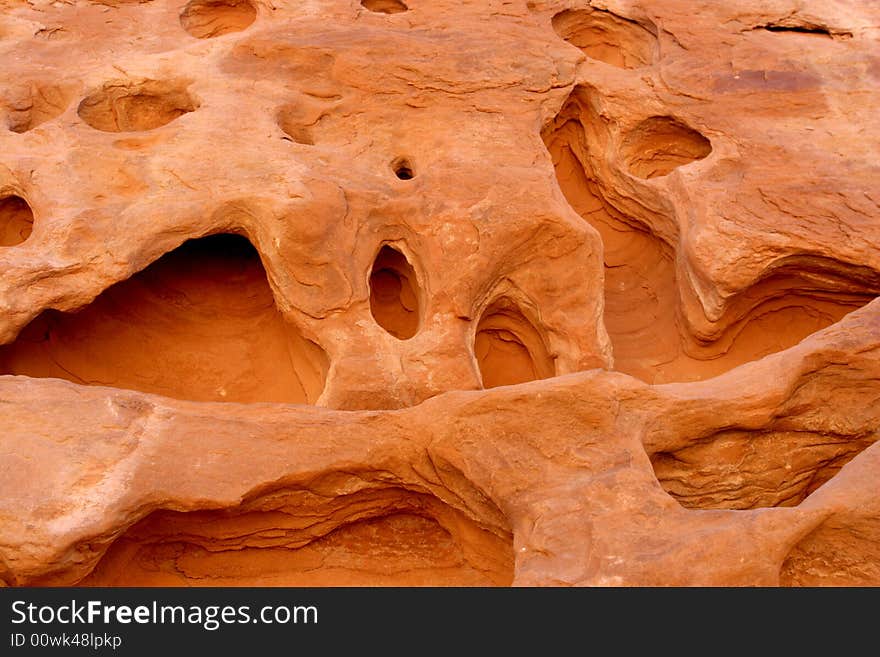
[{"x": 651, "y": 227}]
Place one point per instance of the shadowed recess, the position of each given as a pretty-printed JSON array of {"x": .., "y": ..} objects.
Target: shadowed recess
[
  {"x": 795, "y": 26},
  {"x": 755, "y": 469},
  {"x": 843, "y": 551},
  {"x": 385, "y": 6},
  {"x": 16, "y": 220},
  {"x": 126, "y": 106},
  {"x": 508, "y": 347},
  {"x": 395, "y": 297},
  {"x": 200, "y": 323},
  {"x": 297, "y": 123},
  {"x": 403, "y": 168},
  {"x": 379, "y": 537},
  {"x": 205, "y": 19},
  {"x": 643, "y": 313},
  {"x": 607, "y": 37},
  {"x": 661, "y": 144}
]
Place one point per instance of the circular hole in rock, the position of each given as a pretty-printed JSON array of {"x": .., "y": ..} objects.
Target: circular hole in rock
[
  {"x": 403, "y": 169},
  {"x": 394, "y": 294},
  {"x": 206, "y": 19},
  {"x": 125, "y": 106},
  {"x": 385, "y": 6},
  {"x": 660, "y": 144},
  {"x": 16, "y": 220}
]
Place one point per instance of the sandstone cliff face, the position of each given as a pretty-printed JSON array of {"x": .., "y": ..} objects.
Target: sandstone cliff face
[{"x": 423, "y": 292}]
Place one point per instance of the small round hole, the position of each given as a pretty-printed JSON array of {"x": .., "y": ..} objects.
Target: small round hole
[{"x": 403, "y": 169}]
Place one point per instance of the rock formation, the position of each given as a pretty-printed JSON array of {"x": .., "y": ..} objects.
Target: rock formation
[{"x": 411, "y": 292}]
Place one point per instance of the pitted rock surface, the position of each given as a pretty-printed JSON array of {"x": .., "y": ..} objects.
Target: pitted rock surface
[{"x": 411, "y": 292}]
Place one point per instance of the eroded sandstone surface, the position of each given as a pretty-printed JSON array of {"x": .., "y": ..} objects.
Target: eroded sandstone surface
[{"x": 418, "y": 292}]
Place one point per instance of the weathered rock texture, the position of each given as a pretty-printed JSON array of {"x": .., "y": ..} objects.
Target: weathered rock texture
[{"x": 281, "y": 251}]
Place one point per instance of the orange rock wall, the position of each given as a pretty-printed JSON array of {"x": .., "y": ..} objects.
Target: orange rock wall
[{"x": 411, "y": 292}]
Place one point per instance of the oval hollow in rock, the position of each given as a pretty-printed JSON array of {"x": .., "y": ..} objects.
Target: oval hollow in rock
[
  {"x": 200, "y": 323},
  {"x": 206, "y": 19},
  {"x": 508, "y": 347},
  {"x": 126, "y": 106},
  {"x": 395, "y": 296},
  {"x": 16, "y": 220},
  {"x": 607, "y": 37},
  {"x": 661, "y": 144},
  {"x": 385, "y": 6}
]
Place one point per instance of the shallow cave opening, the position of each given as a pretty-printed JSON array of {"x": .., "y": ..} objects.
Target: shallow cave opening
[
  {"x": 395, "y": 296},
  {"x": 16, "y": 220},
  {"x": 384, "y": 537},
  {"x": 199, "y": 323},
  {"x": 753, "y": 469},
  {"x": 508, "y": 347}
]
